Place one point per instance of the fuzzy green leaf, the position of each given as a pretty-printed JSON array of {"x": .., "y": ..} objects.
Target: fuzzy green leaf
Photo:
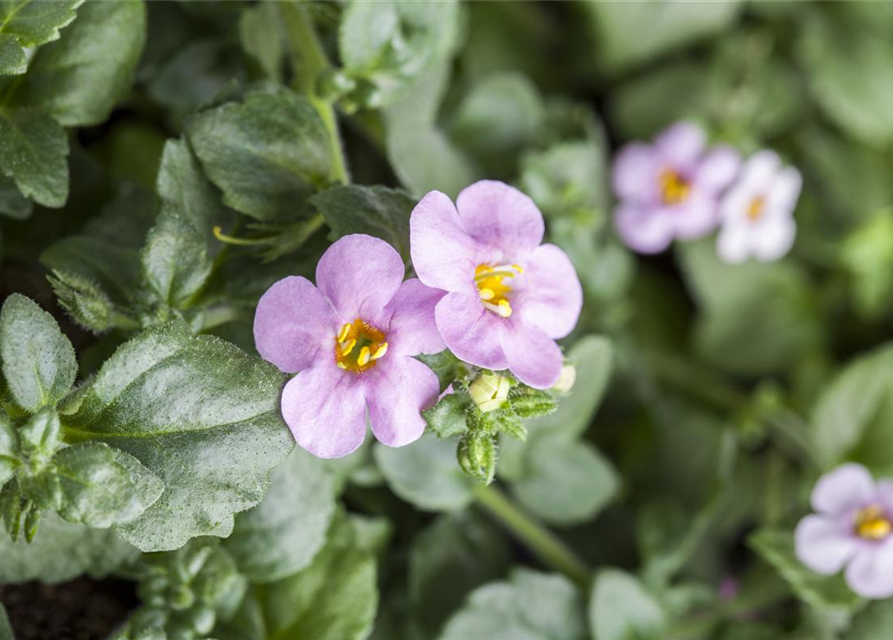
[
  {"x": 266, "y": 154},
  {"x": 449, "y": 416},
  {"x": 38, "y": 360},
  {"x": 33, "y": 150},
  {"x": 201, "y": 415},
  {"x": 175, "y": 260},
  {"x": 29, "y": 23}
]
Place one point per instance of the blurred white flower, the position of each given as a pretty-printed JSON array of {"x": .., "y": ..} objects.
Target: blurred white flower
[{"x": 757, "y": 211}]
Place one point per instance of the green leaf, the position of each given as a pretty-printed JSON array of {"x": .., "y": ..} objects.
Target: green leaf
[
  {"x": 175, "y": 260},
  {"x": 281, "y": 535},
  {"x": 102, "y": 486},
  {"x": 267, "y": 154},
  {"x": 565, "y": 481},
  {"x": 30, "y": 23},
  {"x": 854, "y": 90},
  {"x": 567, "y": 179},
  {"x": 449, "y": 417},
  {"x": 425, "y": 473},
  {"x": 79, "y": 78},
  {"x": 874, "y": 623},
  {"x": 851, "y": 418},
  {"x": 62, "y": 551},
  {"x": 33, "y": 150},
  {"x": 201, "y": 415},
  {"x": 498, "y": 119},
  {"x": 629, "y": 34},
  {"x": 261, "y": 35},
  {"x": 755, "y": 318},
  {"x": 528, "y": 606},
  {"x": 9, "y": 449},
  {"x": 454, "y": 555},
  {"x": 40, "y": 435},
  {"x": 620, "y": 608},
  {"x": 107, "y": 251},
  {"x": 335, "y": 598},
  {"x": 12, "y": 203},
  {"x": 824, "y": 592},
  {"x": 376, "y": 211},
  {"x": 38, "y": 360},
  {"x": 5, "y": 627}
]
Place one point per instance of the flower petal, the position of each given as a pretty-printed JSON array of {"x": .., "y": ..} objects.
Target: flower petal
[
  {"x": 551, "y": 297},
  {"x": 642, "y": 229},
  {"x": 733, "y": 245},
  {"x": 359, "y": 274},
  {"x": 693, "y": 218},
  {"x": 532, "y": 356},
  {"x": 470, "y": 331},
  {"x": 396, "y": 392},
  {"x": 444, "y": 255},
  {"x": 293, "y": 324},
  {"x": 870, "y": 574},
  {"x": 325, "y": 409},
  {"x": 499, "y": 215},
  {"x": 411, "y": 328},
  {"x": 824, "y": 544},
  {"x": 634, "y": 174},
  {"x": 717, "y": 169},
  {"x": 847, "y": 487},
  {"x": 774, "y": 238},
  {"x": 681, "y": 144},
  {"x": 785, "y": 190},
  {"x": 759, "y": 170}
]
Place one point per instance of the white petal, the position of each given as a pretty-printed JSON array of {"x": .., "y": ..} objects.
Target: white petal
[
  {"x": 824, "y": 544},
  {"x": 870, "y": 574},
  {"x": 849, "y": 486},
  {"x": 734, "y": 243},
  {"x": 774, "y": 237}
]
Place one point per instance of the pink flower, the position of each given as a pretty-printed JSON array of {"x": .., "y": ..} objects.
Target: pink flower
[
  {"x": 509, "y": 297},
  {"x": 852, "y": 529},
  {"x": 351, "y": 340},
  {"x": 757, "y": 212},
  {"x": 670, "y": 189}
]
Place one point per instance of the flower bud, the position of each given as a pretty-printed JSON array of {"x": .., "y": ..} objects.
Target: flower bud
[
  {"x": 566, "y": 380},
  {"x": 489, "y": 391},
  {"x": 86, "y": 302}
]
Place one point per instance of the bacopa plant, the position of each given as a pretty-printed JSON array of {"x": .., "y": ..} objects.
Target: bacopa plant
[{"x": 398, "y": 320}]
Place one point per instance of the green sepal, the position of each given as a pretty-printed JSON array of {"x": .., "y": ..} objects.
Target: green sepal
[
  {"x": 477, "y": 457},
  {"x": 449, "y": 417},
  {"x": 9, "y": 448},
  {"x": 40, "y": 436},
  {"x": 11, "y": 508},
  {"x": 528, "y": 402}
]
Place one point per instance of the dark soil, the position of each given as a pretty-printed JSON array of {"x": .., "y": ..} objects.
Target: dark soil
[{"x": 77, "y": 610}]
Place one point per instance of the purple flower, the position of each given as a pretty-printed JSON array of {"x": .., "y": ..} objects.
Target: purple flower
[
  {"x": 509, "y": 297},
  {"x": 670, "y": 189},
  {"x": 852, "y": 528},
  {"x": 352, "y": 340},
  {"x": 757, "y": 212}
]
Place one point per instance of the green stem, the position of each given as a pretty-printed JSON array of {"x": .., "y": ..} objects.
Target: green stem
[
  {"x": 535, "y": 536},
  {"x": 309, "y": 62}
]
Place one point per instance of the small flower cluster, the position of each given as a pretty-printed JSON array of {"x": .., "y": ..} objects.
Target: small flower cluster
[
  {"x": 852, "y": 528},
  {"x": 677, "y": 188},
  {"x": 487, "y": 289}
]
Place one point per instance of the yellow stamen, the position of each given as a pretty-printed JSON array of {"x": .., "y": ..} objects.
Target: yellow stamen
[
  {"x": 364, "y": 357},
  {"x": 382, "y": 349},
  {"x": 505, "y": 309},
  {"x": 487, "y": 294},
  {"x": 345, "y": 330},
  {"x": 872, "y": 523},
  {"x": 755, "y": 210},
  {"x": 341, "y": 365},
  {"x": 493, "y": 288},
  {"x": 518, "y": 268},
  {"x": 347, "y": 347},
  {"x": 674, "y": 188}
]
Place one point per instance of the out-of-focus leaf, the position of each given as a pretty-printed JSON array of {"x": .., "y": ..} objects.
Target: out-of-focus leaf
[{"x": 620, "y": 608}]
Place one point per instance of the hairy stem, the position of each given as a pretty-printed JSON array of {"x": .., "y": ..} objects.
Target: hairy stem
[{"x": 546, "y": 545}]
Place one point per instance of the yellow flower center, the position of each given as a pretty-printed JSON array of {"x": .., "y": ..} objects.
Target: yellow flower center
[
  {"x": 674, "y": 189},
  {"x": 755, "y": 210},
  {"x": 872, "y": 523},
  {"x": 493, "y": 287},
  {"x": 358, "y": 346}
]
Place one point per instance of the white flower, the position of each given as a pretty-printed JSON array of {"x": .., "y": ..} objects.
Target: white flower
[{"x": 757, "y": 211}]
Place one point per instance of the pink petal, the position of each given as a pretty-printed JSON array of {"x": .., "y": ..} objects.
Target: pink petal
[
  {"x": 870, "y": 574},
  {"x": 499, "y": 215},
  {"x": 359, "y": 274},
  {"x": 470, "y": 331},
  {"x": 645, "y": 230},
  {"x": 532, "y": 356},
  {"x": 411, "y": 328},
  {"x": 443, "y": 254},
  {"x": 785, "y": 190},
  {"x": 775, "y": 237},
  {"x": 824, "y": 544},
  {"x": 847, "y": 487},
  {"x": 397, "y": 389},
  {"x": 693, "y": 218},
  {"x": 634, "y": 174},
  {"x": 759, "y": 169},
  {"x": 551, "y": 297},
  {"x": 717, "y": 169},
  {"x": 681, "y": 144},
  {"x": 325, "y": 409},
  {"x": 884, "y": 495},
  {"x": 293, "y": 324}
]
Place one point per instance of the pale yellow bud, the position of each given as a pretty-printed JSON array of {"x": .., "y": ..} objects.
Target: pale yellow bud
[
  {"x": 489, "y": 391},
  {"x": 567, "y": 379}
]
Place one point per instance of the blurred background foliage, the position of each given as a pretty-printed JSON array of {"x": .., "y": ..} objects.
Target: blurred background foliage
[{"x": 702, "y": 415}]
